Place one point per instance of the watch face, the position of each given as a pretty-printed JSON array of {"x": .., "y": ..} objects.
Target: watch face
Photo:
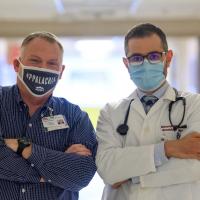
[
  {"x": 22, "y": 144},
  {"x": 25, "y": 141}
]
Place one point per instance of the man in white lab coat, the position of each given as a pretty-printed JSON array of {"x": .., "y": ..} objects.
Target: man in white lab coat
[{"x": 153, "y": 154}]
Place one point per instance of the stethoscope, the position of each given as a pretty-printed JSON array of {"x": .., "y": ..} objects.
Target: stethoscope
[{"x": 122, "y": 129}]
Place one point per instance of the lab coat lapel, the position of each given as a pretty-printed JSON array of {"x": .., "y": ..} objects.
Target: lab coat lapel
[
  {"x": 169, "y": 96},
  {"x": 137, "y": 105}
]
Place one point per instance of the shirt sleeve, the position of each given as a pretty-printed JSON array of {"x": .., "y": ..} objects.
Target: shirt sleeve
[
  {"x": 159, "y": 159},
  {"x": 15, "y": 168},
  {"x": 116, "y": 162},
  {"x": 12, "y": 166},
  {"x": 179, "y": 171},
  {"x": 68, "y": 170},
  {"x": 159, "y": 154}
]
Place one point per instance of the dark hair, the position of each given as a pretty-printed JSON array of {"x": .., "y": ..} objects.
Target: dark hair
[
  {"x": 143, "y": 30},
  {"x": 50, "y": 37}
]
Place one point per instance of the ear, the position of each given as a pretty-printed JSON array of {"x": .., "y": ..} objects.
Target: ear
[
  {"x": 125, "y": 61},
  {"x": 16, "y": 65},
  {"x": 168, "y": 59},
  {"x": 169, "y": 56},
  {"x": 63, "y": 68}
]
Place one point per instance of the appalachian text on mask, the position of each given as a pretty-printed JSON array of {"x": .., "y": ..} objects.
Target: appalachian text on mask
[{"x": 41, "y": 80}]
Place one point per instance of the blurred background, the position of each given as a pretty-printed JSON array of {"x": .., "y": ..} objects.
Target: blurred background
[{"x": 92, "y": 33}]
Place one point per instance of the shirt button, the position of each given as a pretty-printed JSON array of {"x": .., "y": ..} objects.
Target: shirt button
[
  {"x": 49, "y": 181},
  {"x": 23, "y": 190},
  {"x": 30, "y": 125},
  {"x": 32, "y": 165}
]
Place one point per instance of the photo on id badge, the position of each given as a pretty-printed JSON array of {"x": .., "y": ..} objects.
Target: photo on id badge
[{"x": 54, "y": 122}]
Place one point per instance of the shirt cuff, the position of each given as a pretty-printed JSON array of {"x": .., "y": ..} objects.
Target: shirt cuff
[
  {"x": 159, "y": 154},
  {"x": 38, "y": 156},
  {"x": 159, "y": 159},
  {"x": 136, "y": 180}
]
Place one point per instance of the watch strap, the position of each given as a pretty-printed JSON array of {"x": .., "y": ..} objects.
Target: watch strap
[{"x": 21, "y": 146}]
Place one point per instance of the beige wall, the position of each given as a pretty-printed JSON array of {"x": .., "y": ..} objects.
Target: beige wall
[{"x": 183, "y": 27}]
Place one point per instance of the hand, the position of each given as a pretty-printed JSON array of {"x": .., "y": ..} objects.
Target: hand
[
  {"x": 12, "y": 144},
  {"x": 187, "y": 147},
  {"x": 26, "y": 153},
  {"x": 118, "y": 184},
  {"x": 79, "y": 149}
]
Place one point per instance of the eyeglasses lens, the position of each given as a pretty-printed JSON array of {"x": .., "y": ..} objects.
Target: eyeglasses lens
[{"x": 154, "y": 57}]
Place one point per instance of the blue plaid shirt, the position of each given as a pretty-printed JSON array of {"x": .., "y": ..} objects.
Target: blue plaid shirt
[{"x": 64, "y": 173}]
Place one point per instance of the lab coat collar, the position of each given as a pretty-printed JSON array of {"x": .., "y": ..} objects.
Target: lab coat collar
[
  {"x": 168, "y": 95},
  {"x": 137, "y": 104},
  {"x": 133, "y": 95}
]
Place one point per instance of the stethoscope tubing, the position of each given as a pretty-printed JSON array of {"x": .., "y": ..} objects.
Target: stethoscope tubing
[{"x": 122, "y": 129}]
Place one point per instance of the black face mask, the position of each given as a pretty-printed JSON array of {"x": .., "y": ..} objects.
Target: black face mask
[{"x": 38, "y": 81}]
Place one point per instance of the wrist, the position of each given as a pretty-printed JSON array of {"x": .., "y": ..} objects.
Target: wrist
[
  {"x": 26, "y": 153},
  {"x": 23, "y": 143},
  {"x": 169, "y": 147},
  {"x": 12, "y": 144}
]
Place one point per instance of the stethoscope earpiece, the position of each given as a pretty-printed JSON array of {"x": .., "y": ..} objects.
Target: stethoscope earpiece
[{"x": 122, "y": 129}]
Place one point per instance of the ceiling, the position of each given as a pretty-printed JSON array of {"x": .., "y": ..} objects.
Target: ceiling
[{"x": 97, "y": 17}]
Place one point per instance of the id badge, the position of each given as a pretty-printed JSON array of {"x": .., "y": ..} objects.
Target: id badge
[{"x": 54, "y": 122}]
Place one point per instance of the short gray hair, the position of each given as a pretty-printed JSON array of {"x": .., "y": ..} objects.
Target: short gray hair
[{"x": 50, "y": 37}]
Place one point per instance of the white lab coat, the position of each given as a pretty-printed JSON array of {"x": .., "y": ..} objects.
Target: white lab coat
[{"x": 123, "y": 157}]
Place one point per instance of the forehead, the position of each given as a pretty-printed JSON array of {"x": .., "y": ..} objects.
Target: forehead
[
  {"x": 145, "y": 44},
  {"x": 41, "y": 48}
]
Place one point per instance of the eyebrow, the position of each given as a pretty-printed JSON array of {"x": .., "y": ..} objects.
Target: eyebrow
[
  {"x": 51, "y": 60},
  {"x": 136, "y": 54},
  {"x": 34, "y": 56}
]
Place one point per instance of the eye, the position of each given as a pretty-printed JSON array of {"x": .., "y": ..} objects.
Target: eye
[
  {"x": 154, "y": 57},
  {"x": 136, "y": 59},
  {"x": 34, "y": 60},
  {"x": 53, "y": 65}
]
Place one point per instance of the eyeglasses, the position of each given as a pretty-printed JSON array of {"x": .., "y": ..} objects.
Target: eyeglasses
[{"x": 152, "y": 57}]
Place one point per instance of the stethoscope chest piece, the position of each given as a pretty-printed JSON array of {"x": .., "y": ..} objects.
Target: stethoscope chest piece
[{"x": 122, "y": 129}]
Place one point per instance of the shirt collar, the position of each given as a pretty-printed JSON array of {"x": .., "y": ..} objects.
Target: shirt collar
[
  {"x": 17, "y": 95},
  {"x": 49, "y": 102}
]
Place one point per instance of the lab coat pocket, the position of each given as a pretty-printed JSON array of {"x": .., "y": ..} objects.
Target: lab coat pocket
[{"x": 182, "y": 191}]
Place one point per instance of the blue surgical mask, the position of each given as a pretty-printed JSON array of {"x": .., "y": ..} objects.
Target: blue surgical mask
[{"x": 147, "y": 77}]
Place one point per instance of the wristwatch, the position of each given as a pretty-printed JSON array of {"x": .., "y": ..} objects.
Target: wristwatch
[
  {"x": 1, "y": 140},
  {"x": 22, "y": 144}
]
